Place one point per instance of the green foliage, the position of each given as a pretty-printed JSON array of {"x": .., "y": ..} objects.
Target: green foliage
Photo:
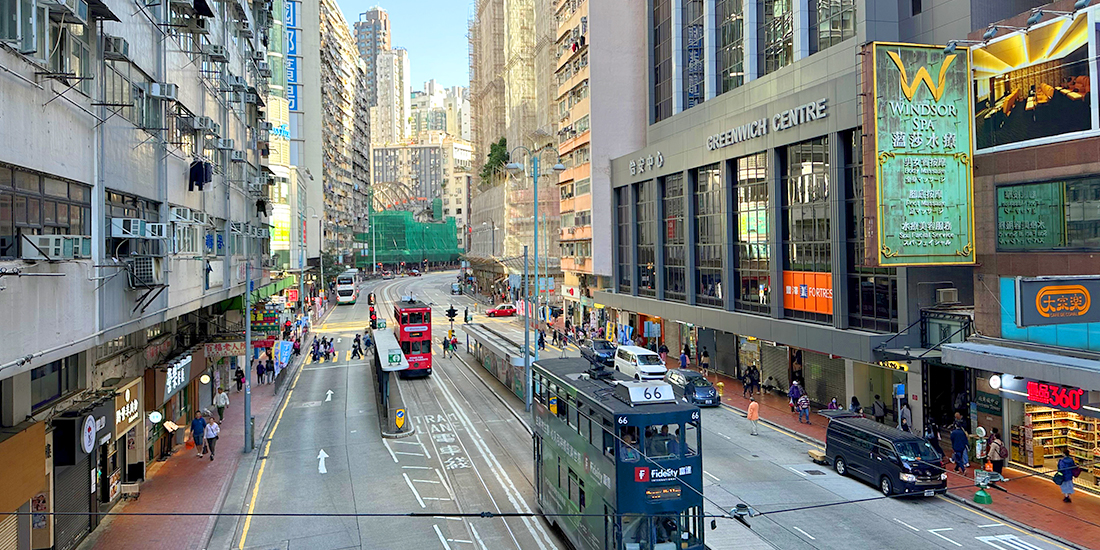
[{"x": 498, "y": 157}]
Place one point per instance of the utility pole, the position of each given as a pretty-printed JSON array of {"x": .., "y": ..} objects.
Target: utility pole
[
  {"x": 247, "y": 346},
  {"x": 526, "y": 337},
  {"x": 535, "y": 218}
]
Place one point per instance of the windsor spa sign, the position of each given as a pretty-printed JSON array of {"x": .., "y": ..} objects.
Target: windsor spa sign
[{"x": 922, "y": 153}]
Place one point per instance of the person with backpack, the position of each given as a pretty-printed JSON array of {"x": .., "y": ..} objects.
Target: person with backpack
[
  {"x": 879, "y": 409},
  {"x": 793, "y": 394},
  {"x": 998, "y": 452},
  {"x": 1067, "y": 470}
]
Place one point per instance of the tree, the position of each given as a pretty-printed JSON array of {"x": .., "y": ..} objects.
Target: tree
[{"x": 498, "y": 157}]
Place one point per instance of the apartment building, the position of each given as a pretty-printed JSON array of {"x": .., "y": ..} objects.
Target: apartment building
[
  {"x": 372, "y": 37},
  {"x": 394, "y": 98}
]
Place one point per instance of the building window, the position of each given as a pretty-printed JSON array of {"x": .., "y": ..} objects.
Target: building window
[
  {"x": 51, "y": 382},
  {"x": 776, "y": 35},
  {"x": 662, "y": 59},
  {"x": 730, "y": 21},
  {"x": 70, "y": 53},
  {"x": 626, "y": 229},
  {"x": 872, "y": 291},
  {"x": 675, "y": 238},
  {"x": 128, "y": 206},
  {"x": 917, "y": 7},
  {"x": 835, "y": 22},
  {"x": 694, "y": 58},
  {"x": 753, "y": 238},
  {"x": 31, "y": 204},
  {"x": 583, "y": 187},
  {"x": 806, "y": 214},
  {"x": 647, "y": 238},
  {"x": 710, "y": 235}
]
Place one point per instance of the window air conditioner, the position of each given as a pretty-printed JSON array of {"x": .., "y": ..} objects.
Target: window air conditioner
[
  {"x": 70, "y": 9},
  {"x": 204, "y": 123},
  {"x": 199, "y": 26},
  {"x": 214, "y": 52},
  {"x": 259, "y": 55},
  {"x": 946, "y": 296},
  {"x": 178, "y": 214},
  {"x": 127, "y": 228},
  {"x": 237, "y": 156},
  {"x": 156, "y": 231},
  {"x": 47, "y": 247},
  {"x": 145, "y": 271},
  {"x": 116, "y": 48},
  {"x": 246, "y": 29},
  {"x": 224, "y": 144},
  {"x": 237, "y": 228},
  {"x": 164, "y": 91},
  {"x": 200, "y": 218}
]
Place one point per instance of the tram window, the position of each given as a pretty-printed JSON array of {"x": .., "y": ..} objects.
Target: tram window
[
  {"x": 537, "y": 392},
  {"x": 563, "y": 407},
  {"x": 628, "y": 445},
  {"x": 691, "y": 439},
  {"x": 405, "y": 347},
  {"x": 573, "y": 487},
  {"x": 416, "y": 317},
  {"x": 691, "y": 524},
  {"x": 662, "y": 441},
  {"x": 635, "y": 531},
  {"x": 426, "y": 346},
  {"x": 608, "y": 444},
  {"x": 667, "y": 529},
  {"x": 559, "y": 472},
  {"x": 580, "y": 493}
]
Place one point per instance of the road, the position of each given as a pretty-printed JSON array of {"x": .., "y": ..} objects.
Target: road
[{"x": 471, "y": 453}]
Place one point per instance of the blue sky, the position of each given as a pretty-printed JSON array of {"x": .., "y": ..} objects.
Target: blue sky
[{"x": 433, "y": 31}]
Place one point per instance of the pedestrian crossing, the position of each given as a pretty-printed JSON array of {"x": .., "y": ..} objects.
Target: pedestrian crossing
[{"x": 340, "y": 355}]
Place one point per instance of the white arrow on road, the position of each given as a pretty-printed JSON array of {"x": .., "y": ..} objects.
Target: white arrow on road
[
  {"x": 321, "y": 456},
  {"x": 328, "y": 396}
]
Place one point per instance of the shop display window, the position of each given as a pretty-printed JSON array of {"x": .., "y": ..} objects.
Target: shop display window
[{"x": 1040, "y": 434}]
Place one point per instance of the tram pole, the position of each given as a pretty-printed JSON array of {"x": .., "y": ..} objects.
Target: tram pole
[{"x": 526, "y": 337}]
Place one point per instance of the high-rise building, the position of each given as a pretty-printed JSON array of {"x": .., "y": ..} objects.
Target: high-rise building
[
  {"x": 394, "y": 98},
  {"x": 372, "y": 37},
  {"x": 457, "y": 106}
]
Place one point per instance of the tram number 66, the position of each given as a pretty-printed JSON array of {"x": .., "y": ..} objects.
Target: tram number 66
[
  {"x": 622, "y": 420},
  {"x": 695, "y": 415},
  {"x": 655, "y": 393}
]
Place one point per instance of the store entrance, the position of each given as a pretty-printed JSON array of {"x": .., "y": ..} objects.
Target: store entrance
[{"x": 946, "y": 392}]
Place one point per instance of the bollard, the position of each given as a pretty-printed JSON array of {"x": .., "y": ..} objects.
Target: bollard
[
  {"x": 252, "y": 432},
  {"x": 721, "y": 386}
]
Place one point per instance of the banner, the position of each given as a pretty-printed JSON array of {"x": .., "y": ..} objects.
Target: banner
[
  {"x": 217, "y": 350},
  {"x": 282, "y": 351},
  {"x": 808, "y": 291},
  {"x": 922, "y": 155}
]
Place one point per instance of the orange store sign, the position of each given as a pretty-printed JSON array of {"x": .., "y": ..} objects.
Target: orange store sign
[{"x": 808, "y": 291}]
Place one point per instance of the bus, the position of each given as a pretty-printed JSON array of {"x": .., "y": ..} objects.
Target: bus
[
  {"x": 347, "y": 287},
  {"x": 626, "y": 454},
  {"x": 413, "y": 328}
]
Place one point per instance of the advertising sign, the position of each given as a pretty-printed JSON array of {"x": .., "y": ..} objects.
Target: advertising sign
[
  {"x": 1066, "y": 398},
  {"x": 176, "y": 377},
  {"x": 1031, "y": 216},
  {"x": 922, "y": 155},
  {"x": 128, "y": 409},
  {"x": 1056, "y": 300},
  {"x": 808, "y": 291},
  {"x": 1033, "y": 86},
  {"x": 217, "y": 350}
]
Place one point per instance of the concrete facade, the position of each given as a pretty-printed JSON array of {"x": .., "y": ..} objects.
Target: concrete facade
[
  {"x": 394, "y": 98},
  {"x": 372, "y": 37}
]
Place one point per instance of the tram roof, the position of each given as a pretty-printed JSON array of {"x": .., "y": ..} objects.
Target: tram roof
[
  {"x": 601, "y": 391},
  {"x": 405, "y": 304}
]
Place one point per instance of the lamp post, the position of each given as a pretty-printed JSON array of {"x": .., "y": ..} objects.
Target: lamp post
[
  {"x": 494, "y": 239},
  {"x": 515, "y": 169},
  {"x": 321, "y": 250}
]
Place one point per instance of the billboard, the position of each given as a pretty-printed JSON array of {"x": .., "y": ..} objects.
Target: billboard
[
  {"x": 1034, "y": 87},
  {"x": 1031, "y": 216},
  {"x": 922, "y": 155},
  {"x": 808, "y": 291},
  {"x": 1056, "y": 300}
]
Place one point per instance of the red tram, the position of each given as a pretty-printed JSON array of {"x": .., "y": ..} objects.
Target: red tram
[{"x": 414, "y": 332}]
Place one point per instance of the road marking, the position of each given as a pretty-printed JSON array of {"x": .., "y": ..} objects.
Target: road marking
[
  {"x": 441, "y": 538},
  {"x": 426, "y": 452},
  {"x": 416, "y": 467},
  {"x": 425, "y": 481},
  {"x": 415, "y": 493},
  {"x": 991, "y": 518},
  {"x": 385, "y": 443},
  {"x": 405, "y": 442},
  {"x": 724, "y": 435},
  {"x": 448, "y": 517},
  {"x": 477, "y": 537},
  {"x": 408, "y": 454},
  {"x": 906, "y": 524},
  {"x": 936, "y": 532},
  {"x": 1011, "y": 542},
  {"x": 809, "y": 536},
  {"x": 328, "y": 396},
  {"x": 712, "y": 476},
  {"x": 445, "y": 484},
  {"x": 803, "y": 474},
  {"x": 990, "y": 525},
  {"x": 321, "y": 456},
  {"x": 434, "y": 498},
  {"x": 461, "y": 541}
]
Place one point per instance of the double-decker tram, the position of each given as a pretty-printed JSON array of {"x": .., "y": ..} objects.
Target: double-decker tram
[
  {"x": 347, "y": 287},
  {"x": 413, "y": 328},
  {"x": 626, "y": 454}
]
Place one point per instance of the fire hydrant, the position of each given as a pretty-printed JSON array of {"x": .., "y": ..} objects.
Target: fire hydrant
[{"x": 720, "y": 387}]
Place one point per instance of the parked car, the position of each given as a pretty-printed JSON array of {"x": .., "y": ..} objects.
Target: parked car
[
  {"x": 639, "y": 363},
  {"x": 456, "y": 288},
  {"x": 386, "y": 275},
  {"x": 598, "y": 351},
  {"x": 414, "y": 273},
  {"x": 693, "y": 387},
  {"x": 895, "y": 461},
  {"x": 502, "y": 310}
]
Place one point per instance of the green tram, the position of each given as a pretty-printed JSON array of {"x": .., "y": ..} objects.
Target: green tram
[{"x": 626, "y": 453}]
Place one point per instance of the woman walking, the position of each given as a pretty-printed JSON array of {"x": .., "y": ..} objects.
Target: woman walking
[
  {"x": 997, "y": 452},
  {"x": 1067, "y": 470}
]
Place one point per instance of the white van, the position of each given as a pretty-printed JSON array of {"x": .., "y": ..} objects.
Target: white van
[{"x": 639, "y": 363}]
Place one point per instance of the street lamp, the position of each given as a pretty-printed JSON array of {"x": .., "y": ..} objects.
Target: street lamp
[
  {"x": 321, "y": 249},
  {"x": 517, "y": 169},
  {"x": 494, "y": 240}
]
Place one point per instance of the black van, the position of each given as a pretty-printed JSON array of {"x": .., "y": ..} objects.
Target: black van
[{"x": 896, "y": 461}]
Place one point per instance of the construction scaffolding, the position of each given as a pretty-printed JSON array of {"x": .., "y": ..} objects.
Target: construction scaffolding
[{"x": 398, "y": 237}]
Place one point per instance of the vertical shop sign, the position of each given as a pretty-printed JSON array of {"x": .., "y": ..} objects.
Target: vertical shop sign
[
  {"x": 922, "y": 155},
  {"x": 293, "y": 54}
]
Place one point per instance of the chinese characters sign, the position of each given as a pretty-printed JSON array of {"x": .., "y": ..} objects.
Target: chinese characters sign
[
  {"x": 1056, "y": 301},
  {"x": 808, "y": 291},
  {"x": 922, "y": 156},
  {"x": 215, "y": 350},
  {"x": 1030, "y": 216},
  {"x": 1066, "y": 398}
]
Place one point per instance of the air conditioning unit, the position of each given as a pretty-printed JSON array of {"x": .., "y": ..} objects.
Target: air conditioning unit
[
  {"x": 265, "y": 71},
  {"x": 203, "y": 123},
  {"x": 156, "y": 231},
  {"x": 200, "y": 218},
  {"x": 164, "y": 91},
  {"x": 116, "y": 48},
  {"x": 82, "y": 245},
  {"x": 224, "y": 144},
  {"x": 252, "y": 98},
  {"x": 266, "y": 125},
  {"x": 237, "y": 156},
  {"x": 199, "y": 25},
  {"x": 215, "y": 53},
  {"x": 47, "y": 247},
  {"x": 127, "y": 228},
  {"x": 237, "y": 83},
  {"x": 945, "y": 296},
  {"x": 216, "y": 129},
  {"x": 263, "y": 66},
  {"x": 259, "y": 55},
  {"x": 245, "y": 29},
  {"x": 146, "y": 271},
  {"x": 70, "y": 10},
  {"x": 178, "y": 214},
  {"x": 237, "y": 228}
]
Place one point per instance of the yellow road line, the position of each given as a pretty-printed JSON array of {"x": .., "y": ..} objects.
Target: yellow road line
[
  {"x": 991, "y": 518},
  {"x": 267, "y": 449}
]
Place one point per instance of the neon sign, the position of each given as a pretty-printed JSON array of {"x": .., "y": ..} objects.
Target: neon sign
[{"x": 1054, "y": 395}]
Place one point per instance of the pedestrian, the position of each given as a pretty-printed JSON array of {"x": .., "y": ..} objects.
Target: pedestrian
[
  {"x": 905, "y": 425},
  {"x": 804, "y": 408},
  {"x": 1067, "y": 470},
  {"x": 997, "y": 451},
  {"x": 663, "y": 352},
  {"x": 906, "y": 414},
  {"x": 367, "y": 341},
  {"x": 879, "y": 409},
  {"x": 269, "y": 371},
  {"x": 238, "y": 376},
  {"x": 542, "y": 340},
  {"x": 754, "y": 414},
  {"x": 959, "y": 445},
  {"x": 454, "y": 345},
  {"x": 564, "y": 344},
  {"x": 754, "y": 380},
  {"x": 684, "y": 359},
  {"x": 769, "y": 384},
  {"x": 332, "y": 349},
  {"x": 221, "y": 401},
  {"x": 793, "y": 394},
  {"x": 198, "y": 429},
  {"x": 855, "y": 406},
  {"x": 704, "y": 360},
  {"x": 211, "y": 434},
  {"x": 297, "y": 346},
  {"x": 833, "y": 405},
  {"x": 932, "y": 436},
  {"x": 259, "y": 371},
  {"x": 446, "y": 346},
  {"x": 356, "y": 350},
  {"x": 746, "y": 383}
]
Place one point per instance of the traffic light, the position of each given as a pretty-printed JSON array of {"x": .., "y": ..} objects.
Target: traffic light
[
  {"x": 373, "y": 318},
  {"x": 452, "y": 313},
  {"x": 370, "y": 298}
]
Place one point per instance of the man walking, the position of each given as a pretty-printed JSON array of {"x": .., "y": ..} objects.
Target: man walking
[
  {"x": 804, "y": 408},
  {"x": 198, "y": 429},
  {"x": 221, "y": 401},
  {"x": 879, "y": 409},
  {"x": 754, "y": 414},
  {"x": 959, "y": 444},
  {"x": 211, "y": 433}
]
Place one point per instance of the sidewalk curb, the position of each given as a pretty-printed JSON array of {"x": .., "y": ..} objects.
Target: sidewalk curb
[
  {"x": 778, "y": 427},
  {"x": 526, "y": 426},
  {"x": 1015, "y": 523}
]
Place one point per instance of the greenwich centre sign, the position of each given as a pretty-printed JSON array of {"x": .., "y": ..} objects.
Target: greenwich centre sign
[{"x": 783, "y": 120}]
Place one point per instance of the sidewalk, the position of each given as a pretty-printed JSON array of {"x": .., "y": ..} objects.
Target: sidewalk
[
  {"x": 188, "y": 484},
  {"x": 1032, "y": 501}
]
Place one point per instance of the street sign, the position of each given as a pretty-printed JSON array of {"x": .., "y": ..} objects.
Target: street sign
[{"x": 399, "y": 418}]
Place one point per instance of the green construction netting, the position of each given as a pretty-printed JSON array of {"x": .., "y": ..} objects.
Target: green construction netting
[{"x": 400, "y": 238}]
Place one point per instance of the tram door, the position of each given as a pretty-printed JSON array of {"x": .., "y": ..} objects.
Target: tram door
[
  {"x": 609, "y": 524},
  {"x": 538, "y": 468}
]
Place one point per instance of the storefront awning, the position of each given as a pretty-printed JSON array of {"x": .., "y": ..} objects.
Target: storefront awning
[
  {"x": 1027, "y": 362},
  {"x": 265, "y": 291}
]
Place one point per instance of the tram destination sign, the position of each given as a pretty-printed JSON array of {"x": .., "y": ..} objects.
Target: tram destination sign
[{"x": 663, "y": 492}]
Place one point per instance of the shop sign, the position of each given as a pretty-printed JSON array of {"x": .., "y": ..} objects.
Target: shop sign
[
  {"x": 641, "y": 164},
  {"x": 988, "y": 403},
  {"x": 216, "y": 350},
  {"x": 1031, "y": 216},
  {"x": 155, "y": 352},
  {"x": 783, "y": 120},
  {"x": 1057, "y": 396},
  {"x": 292, "y": 294},
  {"x": 177, "y": 376},
  {"x": 895, "y": 365},
  {"x": 128, "y": 407},
  {"x": 1056, "y": 300},
  {"x": 922, "y": 155},
  {"x": 808, "y": 291}
]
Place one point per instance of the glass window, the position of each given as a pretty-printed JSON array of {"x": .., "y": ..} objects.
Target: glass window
[
  {"x": 730, "y": 21},
  {"x": 710, "y": 235},
  {"x": 753, "y": 237},
  {"x": 30, "y": 208},
  {"x": 675, "y": 238},
  {"x": 50, "y": 382},
  {"x": 647, "y": 238},
  {"x": 694, "y": 56},
  {"x": 776, "y": 35},
  {"x": 662, "y": 59},
  {"x": 807, "y": 236},
  {"x": 691, "y": 436},
  {"x": 625, "y": 239},
  {"x": 835, "y": 22},
  {"x": 662, "y": 441},
  {"x": 872, "y": 291}
]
